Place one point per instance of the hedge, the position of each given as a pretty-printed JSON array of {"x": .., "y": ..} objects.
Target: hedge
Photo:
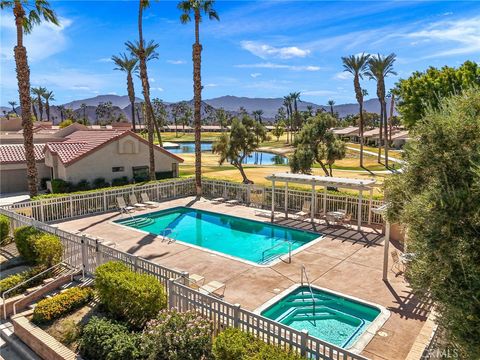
[
  {"x": 104, "y": 339},
  {"x": 135, "y": 298},
  {"x": 178, "y": 336},
  {"x": 15, "y": 279},
  {"x": 55, "y": 307},
  {"x": 38, "y": 248},
  {"x": 4, "y": 228},
  {"x": 234, "y": 344}
]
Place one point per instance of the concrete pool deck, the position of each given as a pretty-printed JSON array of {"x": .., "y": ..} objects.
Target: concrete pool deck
[{"x": 345, "y": 260}]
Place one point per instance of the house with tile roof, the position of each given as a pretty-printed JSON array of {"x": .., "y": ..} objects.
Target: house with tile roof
[{"x": 88, "y": 155}]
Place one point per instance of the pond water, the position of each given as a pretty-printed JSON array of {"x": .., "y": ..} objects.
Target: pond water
[{"x": 256, "y": 158}]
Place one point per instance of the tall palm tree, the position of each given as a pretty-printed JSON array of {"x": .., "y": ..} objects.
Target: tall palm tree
[
  {"x": 295, "y": 96},
  {"x": 33, "y": 102},
  {"x": 257, "y": 115},
  {"x": 310, "y": 110},
  {"x": 139, "y": 50},
  {"x": 39, "y": 92},
  {"x": 129, "y": 65},
  {"x": 379, "y": 67},
  {"x": 61, "y": 108},
  {"x": 287, "y": 102},
  {"x": 331, "y": 103},
  {"x": 357, "y": 66},
  {"x": 83, "y": 106},
  {"x": 391, "y": 95},
  {"x": 36, "y": 10},
  {"x": 197, "y": 7},
  {"x": 13, "y": 104},
  {"x": 48, "y": 96}
]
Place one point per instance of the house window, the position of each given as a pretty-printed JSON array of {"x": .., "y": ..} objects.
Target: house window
[
  {"x": 118, "y": 169},
  {"x": 140, "y": 173}
]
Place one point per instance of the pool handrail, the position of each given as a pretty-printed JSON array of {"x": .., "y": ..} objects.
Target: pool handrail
[
  {"x": 280, "y": 256},
  {"x": 304, "y": 271}
]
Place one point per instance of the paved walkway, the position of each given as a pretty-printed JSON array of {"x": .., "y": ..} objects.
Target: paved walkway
[
  {"x": 390, "y": 158},
  {"x": 345, "y": 260}
]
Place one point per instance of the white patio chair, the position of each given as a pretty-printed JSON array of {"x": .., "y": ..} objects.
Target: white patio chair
[
  {"x": 236, "y": 201},
  {"x": 134, "y": 202},
  {"x": 397, "y": 263},
  {"x": 220, "y": 199},
  {"x": 216, "y": 288},
  {"x": 345, "y": 221},
  {"x": 146, "y": 200},
  {"x": 306, "y": 208},
  {"x": 123, "y": 206}
]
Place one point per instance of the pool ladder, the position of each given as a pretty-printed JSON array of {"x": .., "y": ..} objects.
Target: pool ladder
[
  {"x": 170, "y": 232},
  {"x": 304, "y": 272},
  {"x": 277, "y": 245}
]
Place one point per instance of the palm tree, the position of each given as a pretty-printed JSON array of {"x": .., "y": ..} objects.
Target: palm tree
[
  {"x": 287, "y": 102},
  {"x": 36, "y": 10},
  {"x": 331, "y": 103},
  {"x": 391, "y": 95},
  {"x": 129, "y": 65},
  {"x": 379, "y": 67},
  {"x": 83, "y": 106},
  {"x": 310, "y": 110},
  {"x": 33, "y": 102},
  {"x": 177, "y": 109},
  {"x": 197, "y": 7},
  {"x": 295, "y": 97},
  {"x": 39, "y": 92},
  {"x": 139, "y": 49},
  {"x": 357, "y": 65},
  {"x": 257, "y": 115},
  {"x": 61, "y": 108},
  {"x": 13, "y": 104},
  {"x": 48, "y": 96}
]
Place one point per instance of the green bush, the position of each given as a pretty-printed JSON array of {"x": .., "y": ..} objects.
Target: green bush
[
  {"x": 120, "y": 181},
  {"x": 135, "y": 298},
  {"x": 234, "y": 344},
  {"x": 24, "y": 240},
  {"x": 178, "y": 336},
  {"x": 65, "y": 123},
  {"x": 4, "y": 228},
  {"x": 82, "y": 185},
  {"x": 48, "y": 249},
  {"x": 104, "y": 339},
  {"x": 15, "y": 279},
  {"x": 99, "y": 183},
  {"x": 52, "y": 308},
  {"x": 61, "y": 186}
]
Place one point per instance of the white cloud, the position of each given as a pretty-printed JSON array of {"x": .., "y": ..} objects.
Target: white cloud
[
  {"x": 465, "y": 33},
  {"x": 269, "y": 65},
  {"x": 266, "y": 51},
  {"x": 105, "y": 60},
  {"x": 255, "y": 75},
  {"x": 158, "y": 89},
  {"x": 44, "y": 41},
  {"x": 211, "y": 85},
  {"x": 71, "y": 79},
  {"x": 317, "y": 92},
  {"x": 176, "y": 62},
  {"x": 343, "y": 75}
]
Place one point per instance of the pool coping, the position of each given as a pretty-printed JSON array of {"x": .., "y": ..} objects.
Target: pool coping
[
  {"x": 219, "y": 253},
  {"x": 367, "y": 335}
]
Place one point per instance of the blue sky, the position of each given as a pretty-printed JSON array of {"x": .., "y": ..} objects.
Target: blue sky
[{"x": 257, "y": 49}]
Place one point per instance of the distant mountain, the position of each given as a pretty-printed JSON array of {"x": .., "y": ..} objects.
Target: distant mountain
[{"x": 116, "y": 100}]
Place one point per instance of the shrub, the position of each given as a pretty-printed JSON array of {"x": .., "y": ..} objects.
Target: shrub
[
  {"x": 178, "y": 336},
  {"x": 24, "y": 238},
  {"x": 15, "y": 279},
  {"x": 234, "y": 344},
  {"x": 82, "y": 185},
  {"x": 65, "y": 123},
  {"x": 127, "y": 295},
  {"x": 4, "y": 228},
  {"x": 61, "y": 186},
  {"x": 66, "y": 331},
  {"x": 109, "y": 340},
  {"x": 52, "y": 308},
  {"x": 99, "y": 183},
  {"x": 48, "y": 249},
  {"x": 120, "y": 181}
]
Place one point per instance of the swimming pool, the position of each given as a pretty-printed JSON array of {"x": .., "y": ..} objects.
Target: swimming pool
[
  {"x": 250, "y": 240},
  {"x": 329, "y": 316}
]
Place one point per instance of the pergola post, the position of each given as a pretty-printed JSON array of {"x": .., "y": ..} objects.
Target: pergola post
[
  {"x": 370, "y": 207},
  {"x": 286, "y": 200},
  {"x": 312, "y": 204},
  {"x": 359, "y": 211},
  {"x": 273, "y": 201},
  {"x": 325, "y": 199},
  {"x": 385, "y": 251}
]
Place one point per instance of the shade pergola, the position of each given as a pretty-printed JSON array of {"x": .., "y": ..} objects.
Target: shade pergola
[{"x": 325, "y": 182}]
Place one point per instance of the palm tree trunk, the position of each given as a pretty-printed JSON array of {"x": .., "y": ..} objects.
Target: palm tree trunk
[
  {"x": 23, "y": 77},
  {"x": 40, "y": 107},
  {"x": 360, "y": 132},
  {"x": 146, "y": 94},
  {"x": 380, "y": 137},
  {"x": 392, "y": 104},
  {"x": 47, "y": 110},
  {"x": 385, "y": 126},
  {"x": 34, "y": 110},
  {"x": 197, "y": 101}
]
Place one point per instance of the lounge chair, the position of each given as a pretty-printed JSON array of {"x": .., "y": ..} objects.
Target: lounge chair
[
  {"x": 220, "y": 199},
  {"x": 398, "y": 263},
  {"x": 236, "y": 201},
  {"x": 216, "y": 288},
  {"x": 123, "y": 206},
  {"x": 134, "y": 202},
  {"x": 146, "y": 200},
  {"x": 345, "y": 221},
  {"x": 195, "y": 280},
  {"x": 306, "y": 208}
]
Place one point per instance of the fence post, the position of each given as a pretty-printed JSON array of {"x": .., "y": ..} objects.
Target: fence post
[
  {"x": 303, "y": 343},
  {"x": 99, "y": 254},
  {"x": 135, "y": 263},
  {"x": 175, "y": 189},
  {"x": 236, "y": 315},
  {"x": 105, "y": 201},
  {"x": 84, "y": 256},
  {"x": 249, "y": 190},
  {"x": 71, "y": 207},
  {"x": 42, "y": 214},
  {"x": 171, "y": 300}
]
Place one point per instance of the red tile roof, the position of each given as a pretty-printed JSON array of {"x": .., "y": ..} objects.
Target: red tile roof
[{"x": 15, "y": 153}]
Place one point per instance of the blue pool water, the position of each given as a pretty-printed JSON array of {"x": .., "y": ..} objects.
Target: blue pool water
[
  {"x": 256, "y": 158},
  {"x": 246, "y": 239},
  {"x": 336, "y": 319}
]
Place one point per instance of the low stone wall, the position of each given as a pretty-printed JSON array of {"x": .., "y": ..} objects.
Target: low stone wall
[{"x": 43, "y": 344}]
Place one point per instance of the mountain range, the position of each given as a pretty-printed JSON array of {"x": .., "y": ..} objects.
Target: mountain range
[{"x": 232, "y": 104}]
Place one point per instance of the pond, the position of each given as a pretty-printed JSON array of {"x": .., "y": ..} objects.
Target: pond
[{"x": 256, "y": 158}]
